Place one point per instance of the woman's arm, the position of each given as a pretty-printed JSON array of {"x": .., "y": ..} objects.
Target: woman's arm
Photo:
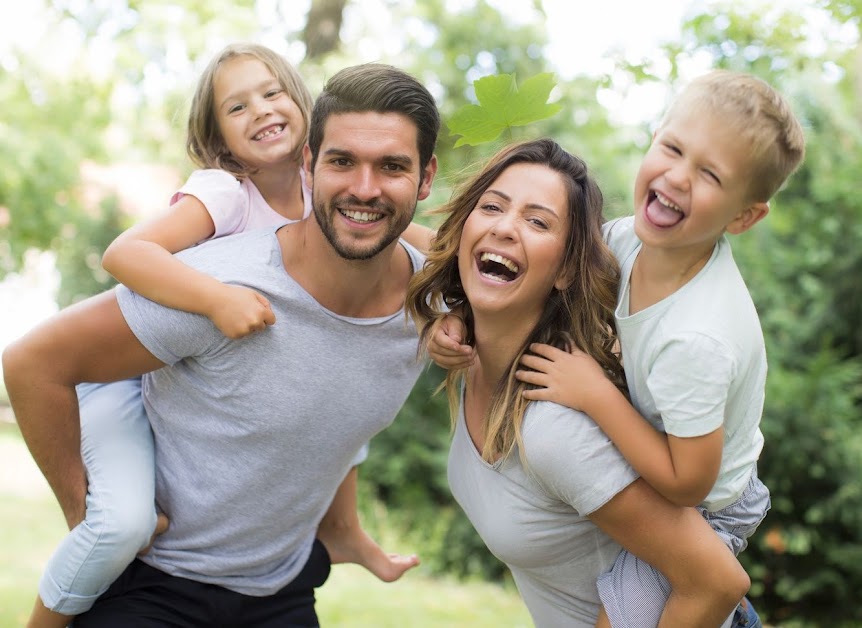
[
  {"x": 706, "y": 579},
  {"x": 142, "y": 259}
]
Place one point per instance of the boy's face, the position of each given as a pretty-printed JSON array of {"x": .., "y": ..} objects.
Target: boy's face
[{"x": 692, "y": 185}]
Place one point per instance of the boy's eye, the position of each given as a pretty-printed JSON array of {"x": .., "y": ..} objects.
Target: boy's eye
[
  {"x": 673, "y": 148},
  {"x": 709, "y": 173}
]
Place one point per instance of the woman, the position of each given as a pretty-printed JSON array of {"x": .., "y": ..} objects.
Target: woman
[{"x": 521, "y": 256}]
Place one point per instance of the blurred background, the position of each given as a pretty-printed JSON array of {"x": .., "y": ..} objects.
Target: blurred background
[{"x": 95, "y": 96}]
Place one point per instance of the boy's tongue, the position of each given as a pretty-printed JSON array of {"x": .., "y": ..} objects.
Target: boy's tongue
[{"x": 662, "y": 215}]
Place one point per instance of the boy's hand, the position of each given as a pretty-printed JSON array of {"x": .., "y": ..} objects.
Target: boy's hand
[
  {"x": 241, "y": 311},
  {"x": 564, "y": 378},
  {"x": 444, "y": 343}
]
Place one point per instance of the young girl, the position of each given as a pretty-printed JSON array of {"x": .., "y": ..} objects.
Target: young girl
[{"x": 247, "y": 128}]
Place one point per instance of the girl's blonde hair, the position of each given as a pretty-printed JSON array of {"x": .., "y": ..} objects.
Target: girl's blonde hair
[
  {"x": 205, "y": 144},
  {"x": 582, "y": 315}
]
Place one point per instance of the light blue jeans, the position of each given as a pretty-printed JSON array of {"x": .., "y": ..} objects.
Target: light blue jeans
[{"x": 117, "y": 447}]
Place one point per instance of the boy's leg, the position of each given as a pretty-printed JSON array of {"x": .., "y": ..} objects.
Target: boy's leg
[
  {"x": 117, "y": 447},
  {"x": 634, "y": 593}
]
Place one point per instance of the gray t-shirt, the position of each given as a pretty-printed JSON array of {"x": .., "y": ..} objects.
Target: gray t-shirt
[
  {"x": 253, "y": 436},
  {"x": 534, "y": 518}
]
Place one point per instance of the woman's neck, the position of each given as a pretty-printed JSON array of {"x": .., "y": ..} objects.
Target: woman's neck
[{"x": 498, "y": 341}]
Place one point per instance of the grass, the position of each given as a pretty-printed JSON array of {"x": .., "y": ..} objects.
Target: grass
[{"x": 31, "y": 525}]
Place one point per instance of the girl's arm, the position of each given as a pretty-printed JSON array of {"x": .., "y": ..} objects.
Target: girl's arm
[
  {"x": 683, "y": 470},
  {"x": 142, "y": 259},
  {"x": 419, "y": 236},
  {"x": 707, "y": 581}
]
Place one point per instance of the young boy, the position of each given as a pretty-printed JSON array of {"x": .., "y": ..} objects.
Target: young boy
[{"x": 691, "y": 341}]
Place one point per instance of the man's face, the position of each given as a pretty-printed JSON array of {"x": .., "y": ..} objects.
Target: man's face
[{"x": 367, "y": 181}]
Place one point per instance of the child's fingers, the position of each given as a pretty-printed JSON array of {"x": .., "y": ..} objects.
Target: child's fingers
[
  {"x": 451, "y": 343},
  {"x": 536, "y": 363},
  {"x": 546, "y": 351},
  {"x": 537, "y": 394},
  {"x": 532, "y": 377}
]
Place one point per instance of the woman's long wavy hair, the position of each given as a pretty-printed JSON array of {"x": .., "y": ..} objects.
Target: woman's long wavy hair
[{"x": 580, "y": 316}]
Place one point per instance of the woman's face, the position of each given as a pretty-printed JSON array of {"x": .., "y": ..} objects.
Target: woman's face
[{"x": 513, "y": 242}]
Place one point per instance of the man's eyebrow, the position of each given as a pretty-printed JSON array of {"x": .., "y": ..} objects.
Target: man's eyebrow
[{"x": 402, "y": 159}]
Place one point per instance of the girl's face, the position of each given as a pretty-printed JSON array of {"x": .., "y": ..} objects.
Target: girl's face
[
  {"x": 513, "y": 242},
  {"x": 260, "y": 123}
]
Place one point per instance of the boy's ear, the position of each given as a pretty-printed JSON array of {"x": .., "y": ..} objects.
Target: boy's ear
[{"x": 748, "y": 217}]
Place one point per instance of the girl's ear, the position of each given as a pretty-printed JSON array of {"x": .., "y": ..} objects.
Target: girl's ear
[{"x": 748, "y": 217}]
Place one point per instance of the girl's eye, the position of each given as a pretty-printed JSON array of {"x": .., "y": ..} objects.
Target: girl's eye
[
  {"x": 235, "y": 108},
  {"x": 272, "y": 92}
]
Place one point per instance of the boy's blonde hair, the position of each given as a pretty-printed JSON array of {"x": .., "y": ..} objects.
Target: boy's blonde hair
[
  {"x": 205, "y": 145},
  {"x": 758, "y": 115}
]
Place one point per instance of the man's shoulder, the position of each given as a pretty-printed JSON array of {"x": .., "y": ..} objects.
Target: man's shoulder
[{"x": 414, "y": 256}]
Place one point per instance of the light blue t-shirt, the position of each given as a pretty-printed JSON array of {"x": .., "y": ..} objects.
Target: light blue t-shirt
[
  {"x": 696, "y": 361},
  {"x": 253, "y": 436}
]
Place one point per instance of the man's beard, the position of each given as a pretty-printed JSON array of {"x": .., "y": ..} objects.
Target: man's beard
[{"x": 326, "y": 221}]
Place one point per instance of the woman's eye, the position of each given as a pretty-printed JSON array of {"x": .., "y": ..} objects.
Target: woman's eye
[{"x": 538, "y": 222}]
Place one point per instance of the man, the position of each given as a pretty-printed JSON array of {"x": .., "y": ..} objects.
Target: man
[{"x": 253, "y": 436}]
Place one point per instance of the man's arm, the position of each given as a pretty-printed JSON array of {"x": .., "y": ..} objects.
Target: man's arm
[{"x": 87, "y": 342}]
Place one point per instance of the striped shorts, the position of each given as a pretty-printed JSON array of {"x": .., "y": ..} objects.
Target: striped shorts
[{"x": 634, "y": 593}]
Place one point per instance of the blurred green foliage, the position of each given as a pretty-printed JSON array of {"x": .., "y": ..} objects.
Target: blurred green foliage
[{"x": 803, "y": 263}]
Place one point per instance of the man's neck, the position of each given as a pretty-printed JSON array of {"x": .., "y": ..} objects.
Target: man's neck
[{"x": 356, "y": 288}]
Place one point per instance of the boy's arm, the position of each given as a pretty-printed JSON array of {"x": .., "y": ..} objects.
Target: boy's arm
[
  {"x": 87, "y": 342},
  {"x": 142, "y": 259},
  {"x": 683, "y": 470},
  {"x": 707, "y": 581}
]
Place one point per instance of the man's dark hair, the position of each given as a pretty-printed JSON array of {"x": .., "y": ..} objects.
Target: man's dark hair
[{"x": 380, "y": 88}]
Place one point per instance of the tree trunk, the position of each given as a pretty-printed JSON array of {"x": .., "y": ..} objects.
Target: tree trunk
[{"x": 321, "y": 33}]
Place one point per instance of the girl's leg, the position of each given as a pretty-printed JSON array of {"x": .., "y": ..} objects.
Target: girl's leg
[{"x": 117, "y": 446}]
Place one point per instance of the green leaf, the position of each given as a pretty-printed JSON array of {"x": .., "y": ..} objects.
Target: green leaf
[{"x": 503, "y": 105}]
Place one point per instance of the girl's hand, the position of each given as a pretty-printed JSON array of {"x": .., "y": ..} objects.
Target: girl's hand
[
  {"x": 444, "y": 343},
  {"x": 568, "y": 379},
  {"x": 240, "y": 311}
]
